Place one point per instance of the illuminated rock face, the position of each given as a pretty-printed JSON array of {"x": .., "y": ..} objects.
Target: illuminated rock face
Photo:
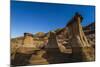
[{"x": 28, "y": 40}]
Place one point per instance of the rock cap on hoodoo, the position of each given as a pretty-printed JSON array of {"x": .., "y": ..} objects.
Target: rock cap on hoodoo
[
  {"x": 75, "y": 18},
  {"x": 28, "y": 34}
]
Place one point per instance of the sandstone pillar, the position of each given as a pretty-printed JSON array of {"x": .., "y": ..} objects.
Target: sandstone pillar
[{"x": 81, "y": 49}]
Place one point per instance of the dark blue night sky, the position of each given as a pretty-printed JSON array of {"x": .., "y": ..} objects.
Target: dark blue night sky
[{"x": 43, "y": 17}]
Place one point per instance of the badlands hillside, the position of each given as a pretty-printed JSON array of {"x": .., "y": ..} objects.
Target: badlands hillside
[{"x": 72, "y": 43}]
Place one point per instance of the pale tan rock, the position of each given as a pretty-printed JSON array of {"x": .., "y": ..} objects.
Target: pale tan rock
[{"x": 28, "y": 40}]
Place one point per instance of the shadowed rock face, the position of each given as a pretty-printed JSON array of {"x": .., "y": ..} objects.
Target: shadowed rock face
[
  {"x": 52, "y": 41},
  {"x": 21, "y": 59},
  {"x": 52, "y": 45},
  {"x": 52, "y": 48}
]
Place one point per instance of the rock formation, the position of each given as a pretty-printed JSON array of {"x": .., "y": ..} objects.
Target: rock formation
[
  {"x": 23, "y": 53},
  {"x": 28, "y": 40},
  {"x": 53, "y": 50},
  {"x": 89, "y": 31},
  {"x": 52, "y": 42},
  {"x": 81, "y": 49},
  {"x": 38, "y": 58},
  {"x": 62, "y": 40},
  {"x": 73, "y": 43}
]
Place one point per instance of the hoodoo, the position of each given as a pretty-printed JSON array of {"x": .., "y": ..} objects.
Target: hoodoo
[{"x": 81, "y": 49}]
